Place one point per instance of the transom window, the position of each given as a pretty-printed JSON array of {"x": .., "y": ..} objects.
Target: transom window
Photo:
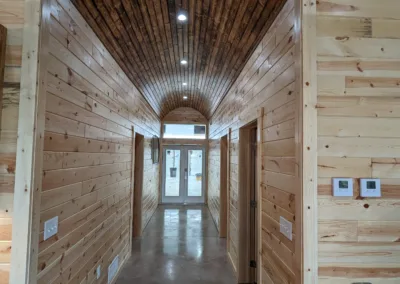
[{"x": 185, "y": 131}]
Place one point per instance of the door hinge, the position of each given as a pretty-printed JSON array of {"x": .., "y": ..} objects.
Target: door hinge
[
  {"x": 253, "y": 264},
  {"x": 253, "y": 204}
]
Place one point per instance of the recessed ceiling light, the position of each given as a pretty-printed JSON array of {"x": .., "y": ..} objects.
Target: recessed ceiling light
[
  {"x": 184, "y": 84},
  {"x": 182, "y": 17},
  {"x": 185, "y": 97},
  {"x": 183, "y": 62}
]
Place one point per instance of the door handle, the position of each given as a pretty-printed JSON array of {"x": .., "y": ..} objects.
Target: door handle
[{"x": 186, "y": 173}]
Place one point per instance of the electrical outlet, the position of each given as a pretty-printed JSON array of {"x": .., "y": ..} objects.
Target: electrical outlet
[
  {"x": 370, "y": 187},
  {"x": 50, "y": 228},
  {"x": 98, "y": 272},
  {"x": 286, "y": 228},
  {"x": 113, "y": 268}
]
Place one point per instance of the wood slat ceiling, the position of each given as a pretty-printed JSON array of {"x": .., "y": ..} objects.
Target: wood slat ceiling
[{"x": 148, "y": 42}]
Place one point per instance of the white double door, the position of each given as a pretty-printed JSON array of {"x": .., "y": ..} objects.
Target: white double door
[{"x": 183, "y": 174}]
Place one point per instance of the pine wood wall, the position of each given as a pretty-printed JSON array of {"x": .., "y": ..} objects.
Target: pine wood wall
[
  {"x": 12, "y": 18},
  {"x": 91, "y": 108},
  {"x": 185, "y": 115},
  {"x": 214, "y": 184},
  {"x": 358, "y": 45},
  {"x": 268, "y": 81}
]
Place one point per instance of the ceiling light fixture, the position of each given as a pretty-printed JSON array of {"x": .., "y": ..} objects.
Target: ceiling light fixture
[
  {"x": 182, "y": 16},
  {"x": 185, "y": 97},
  {"x": 184, "y": 84},
  {"x": 183, "y": 62}
]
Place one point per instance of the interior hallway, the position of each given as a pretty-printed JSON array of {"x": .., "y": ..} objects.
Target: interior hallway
[{"x": 179, "y": 245}]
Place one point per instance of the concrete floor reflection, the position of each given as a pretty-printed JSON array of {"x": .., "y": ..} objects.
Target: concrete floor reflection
[{"x": 179, "y": 245}]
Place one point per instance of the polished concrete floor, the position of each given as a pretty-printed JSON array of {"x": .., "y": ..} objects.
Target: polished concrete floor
[{"x": 179, "y": 245}]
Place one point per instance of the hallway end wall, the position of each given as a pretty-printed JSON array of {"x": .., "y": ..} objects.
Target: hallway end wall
[
  {"x": 91, "y": 108},
  {"x": 12, "y": 18},
  {"x": 268, "y": 80},
  {"x": 358, "y": 68}
]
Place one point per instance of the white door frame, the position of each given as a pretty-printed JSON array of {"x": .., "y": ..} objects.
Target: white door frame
[{"x": 183, "y": 197}]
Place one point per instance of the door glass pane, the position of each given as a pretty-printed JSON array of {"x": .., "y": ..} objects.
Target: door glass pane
[
  {"x": 172, "y": 175},
  {"x": 195, "y": 172}
]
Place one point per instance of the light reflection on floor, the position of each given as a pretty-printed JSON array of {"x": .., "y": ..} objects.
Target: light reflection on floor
[{"x": 179, "y": 245}]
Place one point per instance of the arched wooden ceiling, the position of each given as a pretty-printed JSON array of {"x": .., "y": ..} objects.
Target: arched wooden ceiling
[{"x": 148, "y": 42}]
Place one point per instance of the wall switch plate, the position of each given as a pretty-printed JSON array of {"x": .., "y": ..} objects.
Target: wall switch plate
[
  {"x": 286, "y": 228},
  {"x": 370, "y": 187},
  {"x": 98, "y": 271},
  {"x": 342, "y": 187},
  {"x": 50, "y": 227},
  {"x": 113, "y": 268}
]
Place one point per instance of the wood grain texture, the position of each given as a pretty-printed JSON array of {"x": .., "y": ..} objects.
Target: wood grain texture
[
  {"x": 214, "y": 180},
  {"x": 358, "y": 90},
  {"x": 12, "y": 19},
  {"x": 148, "y": 42},
  {"x": 91, "y": 107},
  {"x": 185, "y": 115},
  {"x": 267, "y": 81}
]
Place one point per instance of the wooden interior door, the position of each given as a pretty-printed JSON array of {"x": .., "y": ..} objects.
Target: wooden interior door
[
  {"x": 248, "y": 203},
  {"x": 138, "y": 185},
  {"x": 253, "y": 241},
  {"x": 223, "y": 224}
]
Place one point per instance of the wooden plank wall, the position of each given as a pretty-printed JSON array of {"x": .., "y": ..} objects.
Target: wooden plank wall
[
  {"x": 91, "y": 107},
  {"x": 214, "y": 184},
  {"x": 184, "y": 115},
  {"x": 358, "y": 44},
  {"x": 11, "y": 17},
  {"x": 268, "y": 81}
]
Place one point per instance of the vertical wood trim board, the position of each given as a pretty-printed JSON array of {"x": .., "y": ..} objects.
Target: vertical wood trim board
[
  {"x": 9, "y": 101},
  {"x": 28, "y": 175},
  {"x": 358, "y": 74},
  {"x": 268, "y": 81},
  {"x": 308, "y": 118}
]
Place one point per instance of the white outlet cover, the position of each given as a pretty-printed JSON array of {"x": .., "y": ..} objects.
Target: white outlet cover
[
  {"x": 286, "y": 228},
  {"x": 98, "y": 272},
  {"x": 342, "y": 187},
  {"x": 370, "y": 187},
  {"x": 113, "y": 268},
  {"x": 50, "y": 228}
]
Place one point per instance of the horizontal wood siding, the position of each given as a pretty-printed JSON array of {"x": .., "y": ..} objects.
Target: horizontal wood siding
[
  {"x": 214, "y": 183},
  {"x": 268, "y": 81},
  {"x": 358, "y": 44},
  {"x": 185, "y": 115},
  {"x": 12, "y": 18},
  {"x": 91, "y": 108}
]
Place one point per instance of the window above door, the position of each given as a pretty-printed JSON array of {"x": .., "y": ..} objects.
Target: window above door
[{"x": 184, "y": 131}]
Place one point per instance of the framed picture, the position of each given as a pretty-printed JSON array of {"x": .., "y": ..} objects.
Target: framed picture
[{"x": 155, "y": 149}]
